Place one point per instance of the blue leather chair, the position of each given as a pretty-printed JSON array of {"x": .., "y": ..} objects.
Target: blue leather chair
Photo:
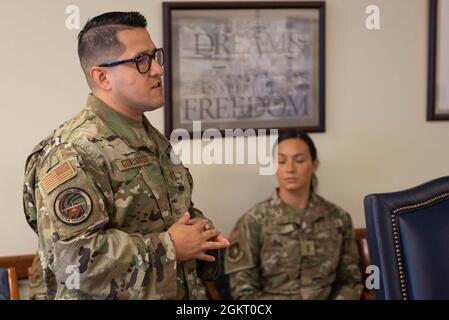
[
  {"x": 408, "y": 239},
  {"x": 4, "y": 284}
]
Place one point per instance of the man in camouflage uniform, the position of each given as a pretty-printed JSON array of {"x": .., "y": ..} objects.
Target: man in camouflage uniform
[
  {"x": 300, "y": 249},
  {"x": 113, "y": 213}
]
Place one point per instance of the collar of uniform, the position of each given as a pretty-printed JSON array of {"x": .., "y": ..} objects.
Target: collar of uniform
[
  {"x": 284, "y": 213},
  {"x": 130, "y": 130},
  {"x": 287, "y": 214},
  {"x": 314, "y": 210},
  {"x": 156, "y": 136}
]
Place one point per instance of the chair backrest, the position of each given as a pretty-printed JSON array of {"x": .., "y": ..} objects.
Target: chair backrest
[
  {"x": 408, "y": 232},
  {"x": 16, "y": 269},
  {"x": 9, "y": 286},
  {"x": 4, "y": 284}
]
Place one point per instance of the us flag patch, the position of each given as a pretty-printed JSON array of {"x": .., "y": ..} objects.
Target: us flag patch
[{"x": 58, "y": 176}]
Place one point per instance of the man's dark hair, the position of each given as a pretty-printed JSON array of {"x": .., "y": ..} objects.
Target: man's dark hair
[{"x": 98, "y": 41}]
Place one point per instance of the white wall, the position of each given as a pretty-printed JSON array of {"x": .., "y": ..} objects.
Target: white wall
[{"x": 376, "y": 138}]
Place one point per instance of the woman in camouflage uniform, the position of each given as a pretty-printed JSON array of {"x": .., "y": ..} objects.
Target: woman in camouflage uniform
[{"x": 295, "y": 244}]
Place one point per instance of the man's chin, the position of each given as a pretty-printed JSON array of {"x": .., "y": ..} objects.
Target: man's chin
[
  {"x": 153, "y": 107},
  {"x": 157, "y": 107}
]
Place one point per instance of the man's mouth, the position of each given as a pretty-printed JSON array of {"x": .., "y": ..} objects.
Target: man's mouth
[{"x": 157, "y": 85}]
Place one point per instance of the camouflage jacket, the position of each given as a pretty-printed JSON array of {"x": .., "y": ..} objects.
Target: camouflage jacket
[
  {"x": 278, "y": 252},
  {"x": 101, "y": 192}
]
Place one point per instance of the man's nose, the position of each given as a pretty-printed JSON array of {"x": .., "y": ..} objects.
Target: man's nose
[{"x": 156, "y": 69}]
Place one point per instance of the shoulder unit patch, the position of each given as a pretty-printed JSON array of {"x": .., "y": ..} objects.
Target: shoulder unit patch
[{"x": 73, "y": 206}]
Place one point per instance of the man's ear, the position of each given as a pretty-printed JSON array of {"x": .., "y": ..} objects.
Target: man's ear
[{"x": 99, "y": 77}]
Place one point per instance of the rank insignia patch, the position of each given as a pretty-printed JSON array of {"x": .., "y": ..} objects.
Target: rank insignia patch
[
  {"x": 73, "y": 206},
  {"x": 308, "y": 248}
]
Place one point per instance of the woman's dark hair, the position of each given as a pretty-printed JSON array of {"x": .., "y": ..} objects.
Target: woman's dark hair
[{"x": 301, "y": 135}]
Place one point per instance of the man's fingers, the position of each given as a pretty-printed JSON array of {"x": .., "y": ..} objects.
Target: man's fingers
[
  {"x": 184, "y": 218},
  {"x": 206, "y": 235},
  {"x": 222, "y": 239},
  {"x": 195, "y": 221},
  {"x": 200, "y": 225},
  {"x": 214, "y": 245},
  {"x": 205, "y": 257}
]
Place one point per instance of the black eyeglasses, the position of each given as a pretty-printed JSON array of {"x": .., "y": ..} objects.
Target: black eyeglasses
[{"x": 143, "y": 62}]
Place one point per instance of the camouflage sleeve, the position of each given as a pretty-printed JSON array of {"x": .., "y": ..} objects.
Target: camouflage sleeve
[
  {"x": 348, "y": 282},
  {"x": 242, "y": 261},
  {"x": 36, "y": 284},
  {"x": 75, "y": 202}
]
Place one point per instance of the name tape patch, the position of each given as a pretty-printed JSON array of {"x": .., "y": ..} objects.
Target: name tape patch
[{"x": 126, "y": 164}]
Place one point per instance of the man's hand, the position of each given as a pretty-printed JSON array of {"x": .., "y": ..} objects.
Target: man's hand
[{"x": 192, "y": 238}]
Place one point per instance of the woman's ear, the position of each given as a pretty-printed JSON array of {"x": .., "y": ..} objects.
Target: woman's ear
[{"x": 316, "y": 164}]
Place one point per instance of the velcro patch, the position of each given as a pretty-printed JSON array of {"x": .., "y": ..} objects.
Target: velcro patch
[
  {"x": 307, "y": 247},
  {"x": 235, "y": 253},
  {"x": 281, "y": 228},
  {"x": 60, "y": 174},
  {"x": 73, "y": 206},
  {"x": 325, "y": 225},
  {"x": 126, "y": 164}
]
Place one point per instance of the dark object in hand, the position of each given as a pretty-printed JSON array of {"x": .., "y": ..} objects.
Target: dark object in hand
[{"x": 208, "y": 271}]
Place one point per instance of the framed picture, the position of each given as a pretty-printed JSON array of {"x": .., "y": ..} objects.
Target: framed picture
[
  {"x": 240, "y": 65},
  {"x": 438, "y": 68}
]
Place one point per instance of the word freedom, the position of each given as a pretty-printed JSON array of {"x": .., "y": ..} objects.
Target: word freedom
[
  {"x": 245, "y": 107},
  {"x": 259, "y": 151}
]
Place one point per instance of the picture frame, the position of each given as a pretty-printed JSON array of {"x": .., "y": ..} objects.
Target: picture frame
[
  {"x": 241, "y": 65},
  {"x": 438, "y": 61}
]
